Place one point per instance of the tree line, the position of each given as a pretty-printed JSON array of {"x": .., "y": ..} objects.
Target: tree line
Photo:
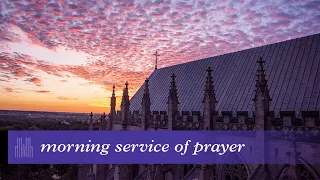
[{"x": 39, "y": 171}]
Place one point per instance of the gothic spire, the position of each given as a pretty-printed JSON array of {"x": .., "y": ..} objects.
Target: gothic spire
[
  {"x": 146, "y": 97},
  {"x": 172, "y": 103},
  {"x": 261, "y": 99},
  {"x": 113, "y": 93},
  {"x": 261, "y": 84},
  {"x": 209, "y": 87},
  {"x": 209, "y": 101},
  {"x": 173, "y": 93},
  {"x": 113, "y": 101},
  {"x": 125, "y": 95},
  {"x": 125, "y": 105},
  {"x": 145, "y": 106},
  {"x": 112, "y": 109}
]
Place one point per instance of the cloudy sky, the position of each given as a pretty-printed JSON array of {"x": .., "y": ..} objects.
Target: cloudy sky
[{"x": 63, "y": 55}]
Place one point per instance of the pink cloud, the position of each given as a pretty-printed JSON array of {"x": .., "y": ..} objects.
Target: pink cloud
[
  {"x": 123, "y": 35},
  {"x": 35, "y": 81}
]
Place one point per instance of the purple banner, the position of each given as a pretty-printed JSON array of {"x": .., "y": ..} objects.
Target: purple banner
[{"x": 162, "y": 147}]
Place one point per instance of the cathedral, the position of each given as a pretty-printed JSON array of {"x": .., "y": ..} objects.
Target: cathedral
[{"x": 272, "y": 87}]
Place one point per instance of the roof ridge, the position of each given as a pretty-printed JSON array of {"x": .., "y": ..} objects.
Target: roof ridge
[{"x": 240, "y": 50}]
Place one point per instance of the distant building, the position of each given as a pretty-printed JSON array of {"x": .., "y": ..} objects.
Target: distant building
[{"x": 226, "y": 92}]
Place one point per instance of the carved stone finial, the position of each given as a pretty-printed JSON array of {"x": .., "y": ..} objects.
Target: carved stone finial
[
  {"x": 209, "y": 87},
  {"x": 113, "y": 90},
  {"x": 125, "y": 95},
  {"x": 127, "y": 84},
  {"x": 209, "y": 69},
  {"x": 260, "y": 61},
  {"x": 173, "y": 83},
  {"x": 173, "y": 92},
  {"x": 146, "y": 86},
  {"x": 173, "y": 77}
]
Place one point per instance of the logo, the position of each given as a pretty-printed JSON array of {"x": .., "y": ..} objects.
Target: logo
[{"x": 23, "y": 150}]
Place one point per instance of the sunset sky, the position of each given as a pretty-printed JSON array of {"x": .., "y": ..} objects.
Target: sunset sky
[{"x": 65, "y": 55}]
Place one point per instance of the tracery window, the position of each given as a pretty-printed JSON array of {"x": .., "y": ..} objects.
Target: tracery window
[{"x": 235, "y": 172}]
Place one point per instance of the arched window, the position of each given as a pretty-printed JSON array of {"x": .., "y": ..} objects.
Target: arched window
[{"x": 235, "y": 172}]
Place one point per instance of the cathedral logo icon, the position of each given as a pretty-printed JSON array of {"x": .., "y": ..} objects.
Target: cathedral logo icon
[{"x": 23, "y": 150}]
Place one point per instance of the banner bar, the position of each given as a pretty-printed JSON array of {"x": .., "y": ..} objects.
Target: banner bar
[{"x": 161, "y": 147}]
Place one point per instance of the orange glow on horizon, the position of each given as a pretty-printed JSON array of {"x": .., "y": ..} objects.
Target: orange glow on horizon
[{"x": 57, "y": 107}]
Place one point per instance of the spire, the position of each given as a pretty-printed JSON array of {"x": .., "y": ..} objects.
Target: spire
[
  {"x": 146, "y": 96},
  {"x": 261, "y": 74},
  {"x": 127, "y": 85},
  {"x": 209, "y": 87},
  {"x": 145, "y": 105},
  {"x": 113, "y": 93},
  {"x": 112, "y": 109},
  {"x": 261, "y": 98},
  {"x": 156, "y": 54},
  {"x": 261, "y": 84},
  {"x": 113, "y": 102},
  {"x": 125, "y": 95},
  {"x": 173, "y": 93},
  {"x": 209, "y": 101},
  {"x": 125, "y": 103},
  {"x": 261, "y": 102},
  {"x": 172, "y": 103}
]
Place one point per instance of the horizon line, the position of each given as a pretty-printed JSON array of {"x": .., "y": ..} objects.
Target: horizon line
[{"x": 44, "y": 111}]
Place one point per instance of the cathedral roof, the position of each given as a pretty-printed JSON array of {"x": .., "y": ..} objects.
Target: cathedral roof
[{"x": 292, "y": 70}]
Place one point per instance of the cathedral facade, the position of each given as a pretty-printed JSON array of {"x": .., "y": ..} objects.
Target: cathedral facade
[{"x": 272, "y": 87}]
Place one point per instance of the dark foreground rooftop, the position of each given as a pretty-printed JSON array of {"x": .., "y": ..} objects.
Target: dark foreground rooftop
[{"x": 292, "y": 69}]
